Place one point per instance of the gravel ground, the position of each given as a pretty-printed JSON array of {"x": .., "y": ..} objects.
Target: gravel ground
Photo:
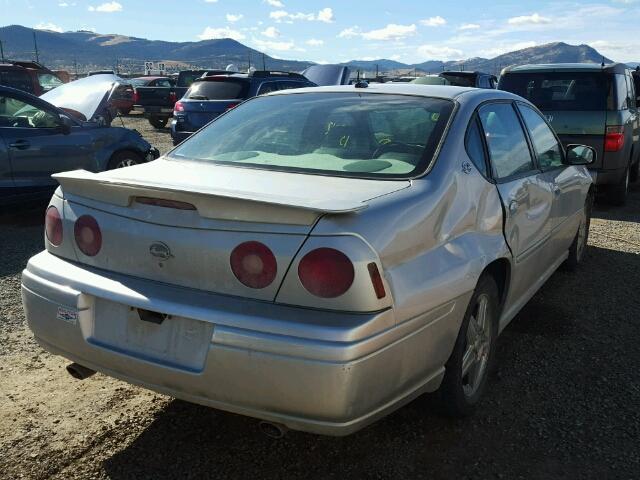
[{"x": 563, "y": 403}]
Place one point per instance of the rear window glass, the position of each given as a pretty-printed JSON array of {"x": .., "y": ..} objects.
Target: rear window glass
[
  {"x": 16, "y": 79},
  {"x": 218, "y": 90},
  {"x": 341, "y": 134},
  {"x": 569, "y": 91},
  {"x": 460, "y": 80}
]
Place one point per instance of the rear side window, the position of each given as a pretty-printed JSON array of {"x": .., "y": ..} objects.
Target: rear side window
[
  {"x": 218, "y": 90},
  {"x": 548, "y": 150},
  {"x": 569, "y": 91},
  {"x": 475, "y": 146},
  {"x": 508, "y": 149},
  {"x": 267, "y": 87},
  {"x": 16, "y": 79},
  {"x": 621, "y": 93}
]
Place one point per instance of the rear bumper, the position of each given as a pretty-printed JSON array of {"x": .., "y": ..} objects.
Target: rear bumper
[
  {"x": 323, "y": 372},
  {"x": 608, "y": 177},
  {"x": 177, "y": 135},
  {"x": 153, "y": 110}
]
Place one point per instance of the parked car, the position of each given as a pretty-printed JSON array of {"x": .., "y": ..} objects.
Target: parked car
[
  {"x": 156, "y": 101},
  {"x": 590, "y": 104},
  {"x": 460, "y": 79},
  {"x": 210, "y": 97},
  {"x": 315, "y": 258},
  {"x": 122, "y": 98},
  {"x": 29, "y": 77},
  {"x": 39, "y": 138}
]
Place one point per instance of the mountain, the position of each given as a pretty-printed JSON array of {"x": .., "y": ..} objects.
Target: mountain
[
  {"x": 93, "y": 50},
  {"x": 557, "y": 52},
  {"x": 90, "y": 50}
]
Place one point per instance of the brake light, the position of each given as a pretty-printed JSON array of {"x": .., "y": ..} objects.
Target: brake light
[
  {"x": 326, "y": 272},
  {"x": 178, "y": 107},
  {"x": 614, "y": 139},
  {"x": 88, "y": 235},
  {"x": 136, "y": 96},
  {"x": 172, "y": 97},
  {"x": 254, "y": 264},
  {"x": 161, "y": 202},
  {"x": 53, "y": 226},
  {"x": 231, "y": 106},
  {"x": 376, "y": 280}
]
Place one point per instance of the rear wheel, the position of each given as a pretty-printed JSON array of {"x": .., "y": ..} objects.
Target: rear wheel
[
  {"x": 468, "y": 367},
  {"x": 158, "y": 122},
  {"x": 579, "y": 245},
  {"x": 635, "y": 171},
  {"x": 617, "y": 194},
  {"x": 123, "y": 159}
]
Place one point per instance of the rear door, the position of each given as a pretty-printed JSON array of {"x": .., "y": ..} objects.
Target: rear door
[{"x": 526, "y": 196}]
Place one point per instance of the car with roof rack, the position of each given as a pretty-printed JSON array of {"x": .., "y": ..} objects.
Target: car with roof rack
[
  {"x": 211, "y": 96},
  {"x": 589, "y": 103},
  {"x": 315, "y": 258}
]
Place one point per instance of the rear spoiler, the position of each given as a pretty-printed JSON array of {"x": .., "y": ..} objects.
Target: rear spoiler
[{"x": 215, "y": 203}]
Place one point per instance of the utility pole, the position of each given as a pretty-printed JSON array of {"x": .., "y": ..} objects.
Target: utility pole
[
  {"x": 249, "y": 56},
  {"x": 264, "y": 66},
  {"x": 35, "y": 45},
  {"x": 1, "y": 51},
  {"x": 75, "y": 66}
]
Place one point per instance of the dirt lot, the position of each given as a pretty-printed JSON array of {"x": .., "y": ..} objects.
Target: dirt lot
[{"x": 564, "y": 403}]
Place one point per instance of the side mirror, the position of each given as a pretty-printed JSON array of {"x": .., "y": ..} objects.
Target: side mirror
[
  {"x": 580, "y": 155},
  {"x": 65, "y": 124}
]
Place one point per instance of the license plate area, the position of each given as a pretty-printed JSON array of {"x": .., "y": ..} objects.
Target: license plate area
[{"x": 169, "y": 340}]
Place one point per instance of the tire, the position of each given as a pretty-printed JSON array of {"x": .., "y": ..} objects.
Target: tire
[
  {"x": 125, "y": 158},
  {"x": 579, "y": 245},
  {"x": 617, "y": 194},
  {"x": 158, "y": 122},
  {"x": 461, "y": 390},
  {"x": 634, "y": 172}
]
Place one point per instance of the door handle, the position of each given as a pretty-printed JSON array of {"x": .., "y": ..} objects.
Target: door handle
[
  {"x": 513, "y": 206},
  {"x": 20, "y": 144}
]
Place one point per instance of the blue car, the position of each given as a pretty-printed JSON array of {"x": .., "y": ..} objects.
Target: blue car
[
  {"x": 210, "y": 96},
  {"x": 66, "y": 129}
]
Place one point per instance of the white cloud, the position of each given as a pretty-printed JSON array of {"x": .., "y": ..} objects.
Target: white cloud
[
  {"x": 506, "y": 48},
  {"x": 108, "y": 7},
  {"x": 437, "y": 21},
  {"x": 275, "y": 3},
  {"x": 210, "y": 33},
  {"x": 314, "y": 42},
  {"x": 436, "y": 52},
  {"x": 349, "y": 32},
  {"x": 325, "y": 15},
  {"x": 534, "y": 19},
  {"x": 48, "y": 26},
  {"x": 271, "y": 32},
  {"x": 390, "y": 32},
  {"x": 66, "y": 4},
  {"x": 234, "y": 18},
  {"x": 211, "y": 1},
  {"x": 469, "y": 26}
]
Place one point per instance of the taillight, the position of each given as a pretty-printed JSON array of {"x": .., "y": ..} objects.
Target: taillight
[
  {"x": 614, "y": 139},
  {"x": 326, "y": 272},
  {"x": 178, "y": 107},
  {"x": 254, "y": 265},
  {"x": 53, "y": 226},
  {"x": 88, "y": 235},
  {"x": 376, "y": 280},
  {"x": 172, "y": 97},
  {"x": 136, "y": 96},
  {"x": 231, "y": 106}
]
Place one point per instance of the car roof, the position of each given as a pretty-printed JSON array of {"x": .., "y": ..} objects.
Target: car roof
[
  {"x": 567, "y": 67},
  {"x": 437, "y": 91}
]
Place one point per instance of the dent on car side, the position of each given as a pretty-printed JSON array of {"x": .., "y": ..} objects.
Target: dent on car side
[{"x": 325, "y": 369}]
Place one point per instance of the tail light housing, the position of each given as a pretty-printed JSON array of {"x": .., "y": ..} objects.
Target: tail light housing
[
  {"x": 254, "y": 264},
  {"x": 136, "y": 96},
  {"x": 53, "y": 226},
  {"x": 178, "y": 107},
  {"x": 231, "y": 106},
  {"x": 88, "y": 235},
  {"x": 326, "y": 272},
  {"x": 614, "y": 139},
  {"x": 173, "y": 98}
]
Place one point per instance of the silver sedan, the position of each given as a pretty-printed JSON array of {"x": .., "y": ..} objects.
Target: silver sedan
[{"x": 315, "y": 258}]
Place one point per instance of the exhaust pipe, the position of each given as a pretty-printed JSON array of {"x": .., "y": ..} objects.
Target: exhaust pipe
[
  {"x": 79, "y": 372},
  {"x": 273, "y": 430}
]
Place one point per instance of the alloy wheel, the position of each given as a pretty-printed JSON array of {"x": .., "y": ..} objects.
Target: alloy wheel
[{"x": 476, "y": 355}]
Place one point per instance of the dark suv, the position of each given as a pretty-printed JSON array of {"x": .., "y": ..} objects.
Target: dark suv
[
  {"x": 30, "y": 77},
  {"x": 588, "y": 104},
  {"x": 209, "y": 97}
]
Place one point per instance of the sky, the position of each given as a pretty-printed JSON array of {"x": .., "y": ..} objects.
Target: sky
[{"x": 328, "y": 31}]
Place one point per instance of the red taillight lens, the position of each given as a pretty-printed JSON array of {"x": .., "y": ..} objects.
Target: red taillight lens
[
  {"x": 178, "y": 107},
  {"x": 53, "y": 226},
  {"x": 88, "y": 235},
  {"x": 326, "y": 272},
  {"x": 614, "y": 139},
  {"x": 172, "y": 97},
  {"x": 231, "y": 106},
  {"x": 136, "y": 96},
  {"x": 254, "y": 264},
  {"x": 376, "y": 280}
]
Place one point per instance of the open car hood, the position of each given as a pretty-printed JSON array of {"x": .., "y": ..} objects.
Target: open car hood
[{"x": 87, "y": 99}]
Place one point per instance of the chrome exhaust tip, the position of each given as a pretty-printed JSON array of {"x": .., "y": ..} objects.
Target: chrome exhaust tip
[
  {"x": 79, "y": 372},
  {"x": 273, "y": 430}
]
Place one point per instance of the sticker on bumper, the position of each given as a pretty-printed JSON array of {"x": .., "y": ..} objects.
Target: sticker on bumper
[{"x": 67, "y": 315}]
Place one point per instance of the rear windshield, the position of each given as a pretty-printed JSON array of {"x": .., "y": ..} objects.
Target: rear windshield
[
  {"x": 218, "y": 90},
  {"x": 137, "y": 82},
  {"x": 462, "y": 80},
  {"x": 568, "y": 91},
  {"x": 341, "y": 134},
  {"x": 186, "y": 78}
]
